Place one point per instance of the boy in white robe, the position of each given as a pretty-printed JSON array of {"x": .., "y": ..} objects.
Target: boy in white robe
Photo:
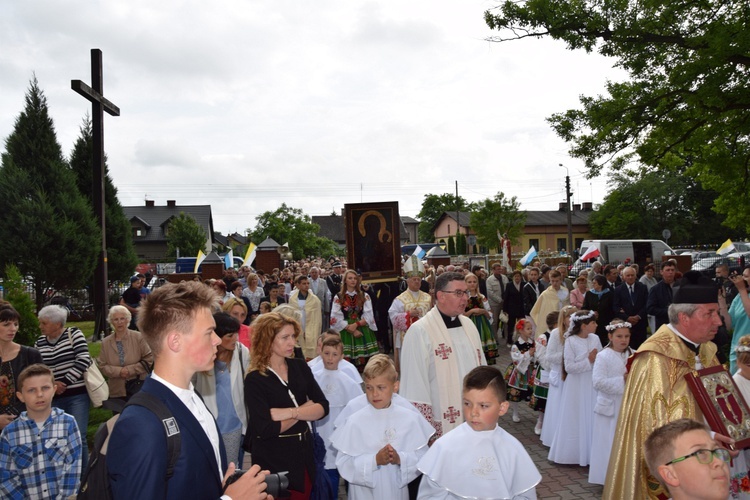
[
  {"x": 316, "y": 364},
  {"x": 339, "y": 389},
  {"x": 378, "y": 447},
  {"x": 478, "y": 459}
]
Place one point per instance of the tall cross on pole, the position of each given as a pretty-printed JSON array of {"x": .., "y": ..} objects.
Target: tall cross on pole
[{"x": 99, "y": 104}]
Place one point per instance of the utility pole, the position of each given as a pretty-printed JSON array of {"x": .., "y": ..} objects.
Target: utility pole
[
  {"x": 458, "y": 223},
  {"x": 568, "y": 210}
]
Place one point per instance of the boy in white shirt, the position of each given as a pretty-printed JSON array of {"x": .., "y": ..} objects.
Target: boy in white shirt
[
  {"x": 378, "y": 447},
  {"x": 478, "y": 459},
  {"x": 316, "y": 364},
  {"x": 339, "y": 389}
]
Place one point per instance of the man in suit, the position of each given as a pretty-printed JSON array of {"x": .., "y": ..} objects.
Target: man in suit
[
  {"x": 660, "y": 295},
  {"x": 334, "y": 278},
  {"x": 320, "y": 289},
  {"x": 532, "y": 290},
  {"x": 629, "y": 303},
  {"x": 177, "y": 323},
  {"x": 495, "y": 290},
  {"x": 613, "y": 277}
]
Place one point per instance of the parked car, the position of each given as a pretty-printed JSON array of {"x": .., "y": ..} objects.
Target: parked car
[{"x": 708, "y": 265}]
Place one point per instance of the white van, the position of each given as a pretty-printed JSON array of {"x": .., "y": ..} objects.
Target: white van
[{"x": 641, "y": 252}]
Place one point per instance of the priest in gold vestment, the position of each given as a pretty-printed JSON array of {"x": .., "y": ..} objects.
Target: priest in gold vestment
[{"x": 656, "y": 391}]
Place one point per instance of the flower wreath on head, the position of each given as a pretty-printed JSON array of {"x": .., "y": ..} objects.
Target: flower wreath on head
[
  {"x": 742, "y": 348},
  {"x": 614, "y": 326},
  {"x": 578, "y": 316}
]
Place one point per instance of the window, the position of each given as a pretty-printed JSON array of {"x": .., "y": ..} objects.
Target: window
[
  {"x": 138, "y": 232},
  {"x": 449, "y": 229},
  {"x": 534, "y": 242},
  {"x": 562, "y": 243}
]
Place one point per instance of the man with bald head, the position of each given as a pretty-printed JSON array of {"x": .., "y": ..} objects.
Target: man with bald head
[{"x": 629, "y": 302}]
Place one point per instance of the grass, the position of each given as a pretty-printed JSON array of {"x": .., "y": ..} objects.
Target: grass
[{"x": 96, "y": 415}]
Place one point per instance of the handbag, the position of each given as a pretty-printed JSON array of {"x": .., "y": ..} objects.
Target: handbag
[
  {"x": 322, "y": 488},
  {"x": 134, "y": 384},
  {"x": 96, "y": 385}
]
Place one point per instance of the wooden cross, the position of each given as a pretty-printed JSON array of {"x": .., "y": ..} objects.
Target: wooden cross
[
  {"x": 443, "y": 351},
  {"x": 99, "y": 104}
]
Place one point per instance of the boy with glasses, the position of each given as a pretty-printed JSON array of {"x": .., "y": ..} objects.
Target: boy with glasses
[{"x": 684, "y": 458}]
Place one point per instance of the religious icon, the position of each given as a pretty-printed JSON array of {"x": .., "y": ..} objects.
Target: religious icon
[
  {"x": 373, "y": 240},
  {"x": 722, "y": 404}
]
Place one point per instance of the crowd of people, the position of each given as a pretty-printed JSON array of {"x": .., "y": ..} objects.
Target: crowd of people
[{"x": 395, "y": 379}]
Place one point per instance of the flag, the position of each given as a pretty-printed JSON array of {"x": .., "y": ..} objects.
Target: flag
[
  {"x": 419, "y": 252},
  {"x": 198, "y": 260},
  {"x": 726, "y": 248},
  {"x": 529, "y": 256},
  {"x": 249, "y": 255},
  {"x": 591, "y": 253},
  {"x": 229, "y": 259}
]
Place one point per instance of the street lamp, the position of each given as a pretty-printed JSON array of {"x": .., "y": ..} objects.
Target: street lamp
[{"x": 567, "y": 208}]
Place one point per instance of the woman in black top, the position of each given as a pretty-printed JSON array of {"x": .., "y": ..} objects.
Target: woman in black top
[
  {"x": 600, "y": 300},
  {"x": 13, "y": 358},
  {"x": 282, "y": 397}
]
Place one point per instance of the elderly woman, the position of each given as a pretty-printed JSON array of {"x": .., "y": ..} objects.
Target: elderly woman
[
  {"x": 222, "y": 388},
  {"x": 125, "y": 356},
  {"x": 578, "y": 295},
  {"x": 13, "y": 358},
  {"x": 282, "y": 397},
  {"x": 66, "y": 352},
  {"x": 254, "y": 294}
]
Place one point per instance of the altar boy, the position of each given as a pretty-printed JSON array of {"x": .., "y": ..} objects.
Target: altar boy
[
  {"x": 478, "y": 459},
  {"x": 378, "y": 446}
]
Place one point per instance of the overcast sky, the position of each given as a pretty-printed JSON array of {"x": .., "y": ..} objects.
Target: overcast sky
[{"x": 244, "y": 105}]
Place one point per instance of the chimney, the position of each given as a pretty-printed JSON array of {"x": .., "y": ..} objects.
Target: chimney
[
  {"x": 562, "y": 206},
  {"x": 576, "y": 207},
  {"x": 171, "y": 203},
  {"x": 149, "y": 203},
  {"x": 587, "y": 206}
]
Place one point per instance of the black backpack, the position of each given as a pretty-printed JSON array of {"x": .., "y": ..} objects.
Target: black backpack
[{"x": 95, "y": 484}]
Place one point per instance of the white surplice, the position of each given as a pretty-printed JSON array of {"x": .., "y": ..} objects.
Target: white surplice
[
  {"x": 553, "y": 357},
  {"x": 364, "y": 434},
  {"x": 339, "y": 389},
  {"x": 316, "y": 365},
  {"x": 466, "y": 463},
  {"x": 360, "y": 402}
]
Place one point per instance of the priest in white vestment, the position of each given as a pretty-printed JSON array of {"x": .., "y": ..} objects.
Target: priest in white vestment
[{"x": 438, "y": 351}]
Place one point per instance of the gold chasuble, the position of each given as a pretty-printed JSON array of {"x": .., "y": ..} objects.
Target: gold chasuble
[{"x": 656, "y": 393}]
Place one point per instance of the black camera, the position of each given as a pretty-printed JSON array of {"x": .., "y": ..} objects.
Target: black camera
[{"x": 276, "y": 484}]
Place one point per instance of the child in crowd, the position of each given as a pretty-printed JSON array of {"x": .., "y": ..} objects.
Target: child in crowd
[
  {"x": 608, "y": 376},
  {"x": 378, "y": 447},
  {"x": 339, "y": 389},
  {"x": 541, "y": 378},
  {"x": 478, "y": 459},
  {"x": 40, "y": 451},
  {"x": 682, "y": 456},
  {"x": 317, "y": 364},
  {"x": 739, "y": 482},
  {"x": 520, "y": 372},
  {"x": 572, "y": 441},
  {"x": 553, "y": 354}
]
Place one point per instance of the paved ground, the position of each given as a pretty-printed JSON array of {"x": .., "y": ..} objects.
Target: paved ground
[{"x": 563, "y": 482}]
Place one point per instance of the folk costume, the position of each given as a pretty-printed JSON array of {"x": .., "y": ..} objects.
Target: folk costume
[
  {"x": 609, "y": 382},
  {"x": 438, "y": 352},
  {"x": 356, "y": 349},
  {"x": 541, "y": 375},
  {"x": 657, "y": 393},
  {"x": 484, "y": 325},
  {"x": 520, "y": 373},
  {"x": 312, "y": 320},
  {"x": 493, "y": 464},
  {"x": 362, "y": 436}
]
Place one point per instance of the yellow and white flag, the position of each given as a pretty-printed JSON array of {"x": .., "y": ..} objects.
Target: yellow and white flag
[
  {"x": 726, "y": 248},
  {"x": 250, "y": 254},
  {"x": 198, "y": 260}
]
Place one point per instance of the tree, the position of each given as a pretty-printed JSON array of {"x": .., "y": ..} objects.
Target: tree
[
  {"x": 187, "y": 235},
  {"x": 451, "y": 245},
  {"x": 670, "y": 202},
  {"x": 15, "y": 293},
  {"x": 686, "y": 103},
  {"x": 121, "y": 257},
  {"x": 48, "y": 229},
  {"x": 498, "y": 215},
  {"x": 461, "y": 244},
  {"x": 433, "y": 207},
  {"x": 293, "y": 226}
]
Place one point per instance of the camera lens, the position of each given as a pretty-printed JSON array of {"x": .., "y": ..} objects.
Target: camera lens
[{"x": 277, "y": 484}]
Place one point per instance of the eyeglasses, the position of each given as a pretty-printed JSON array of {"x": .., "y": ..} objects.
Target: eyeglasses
[
  {"x": 457, "y": 293},
  {"x": 704, "y": 456}
]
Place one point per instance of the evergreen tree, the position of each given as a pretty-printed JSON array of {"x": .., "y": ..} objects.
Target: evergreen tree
[
  {"x": 451, "y": 246},
  {"x": 121, "y": 257},
  {"x": 48, "y": 230}
]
